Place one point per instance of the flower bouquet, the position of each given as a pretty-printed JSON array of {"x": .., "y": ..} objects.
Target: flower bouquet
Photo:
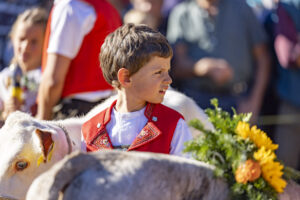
[{"x": 244, "y": 156}]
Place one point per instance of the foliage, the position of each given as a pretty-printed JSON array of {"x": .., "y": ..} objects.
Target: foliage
[{"x": 241, "y": 154}]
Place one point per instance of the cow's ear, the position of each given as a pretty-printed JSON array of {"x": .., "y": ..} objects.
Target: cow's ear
[{"x": 47, "y": 145}]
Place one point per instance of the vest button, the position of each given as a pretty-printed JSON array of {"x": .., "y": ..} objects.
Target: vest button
[
  {"x": 98, "y": 125},
  {"x": 154, "y": 118}
]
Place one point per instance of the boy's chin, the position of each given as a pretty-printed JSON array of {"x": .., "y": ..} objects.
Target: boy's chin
[{"x": 157, "y": 101}]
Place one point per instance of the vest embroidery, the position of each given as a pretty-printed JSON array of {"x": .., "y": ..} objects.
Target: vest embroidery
[
  {"x": 148, "y": 133},
  {"x": 101, "y": 141}
]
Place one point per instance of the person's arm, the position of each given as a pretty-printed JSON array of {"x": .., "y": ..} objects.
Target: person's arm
[
  {"x": 254, "y": 101},
  {"x": 184, "y": 66},
  {"x": 217, "y": 69},
  {"x": 52, "y": 84},
  {"x": 287, "y": 39}
]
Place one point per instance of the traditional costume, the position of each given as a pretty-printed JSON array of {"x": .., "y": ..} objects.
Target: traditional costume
[{"x": 155, "y": 128}]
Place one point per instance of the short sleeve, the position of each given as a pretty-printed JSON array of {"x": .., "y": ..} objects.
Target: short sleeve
[
  {"x": 181, "y": 135},
  {"x": 71, "y": 21}
]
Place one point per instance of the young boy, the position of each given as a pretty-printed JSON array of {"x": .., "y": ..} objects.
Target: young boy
[{"x": 136, "y": 61}]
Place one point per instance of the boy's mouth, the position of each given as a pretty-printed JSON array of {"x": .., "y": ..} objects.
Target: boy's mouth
[{"x": 163, "y": 91}]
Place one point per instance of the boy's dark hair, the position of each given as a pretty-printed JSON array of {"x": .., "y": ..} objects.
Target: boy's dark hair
[{"x": 131, "y": 47}]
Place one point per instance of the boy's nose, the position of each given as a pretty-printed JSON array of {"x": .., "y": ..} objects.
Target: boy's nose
[{"x": 168, "y": 79}]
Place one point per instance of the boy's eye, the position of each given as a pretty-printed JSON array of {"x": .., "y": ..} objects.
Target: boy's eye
[{"x": 158, "y": 72}]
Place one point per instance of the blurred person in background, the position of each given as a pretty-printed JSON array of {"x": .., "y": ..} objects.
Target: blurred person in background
[
  {"x": 284, "y": 26},
  {"x": 168, "y": 6},
  {"x": 220, "y": 51},
  {"x": 19, "y": 82},
  {"x": 152, "y": 9},
  {"x": 121, "y": 5},
  {"x": 267, "y": 117},
  {"x": 72, "y": 81},
  {"x": 138, "y": 17},
  {"x": 9, "y": 11},
  {"x": 155, "y": 13}
]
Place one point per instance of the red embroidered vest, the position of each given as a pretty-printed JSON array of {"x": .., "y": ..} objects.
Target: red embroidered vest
[
  {"x": 155, "y": 137},
  {"x": 85, "y": 74}
]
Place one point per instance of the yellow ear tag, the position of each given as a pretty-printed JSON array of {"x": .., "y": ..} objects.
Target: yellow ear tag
[
  {"x": 40, "y": 160},
  {"x": 51, "y": 152},
  {"x": 17, "y": 92}
]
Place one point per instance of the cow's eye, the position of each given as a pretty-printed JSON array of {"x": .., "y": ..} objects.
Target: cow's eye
[{"x": 21, "y": 165}]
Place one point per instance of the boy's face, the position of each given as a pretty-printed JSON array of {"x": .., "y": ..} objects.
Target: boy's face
[{"x": 150, "y": 83}]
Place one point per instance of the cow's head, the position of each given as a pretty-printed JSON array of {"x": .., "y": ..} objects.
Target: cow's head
[{"x": 28, "y": 147}]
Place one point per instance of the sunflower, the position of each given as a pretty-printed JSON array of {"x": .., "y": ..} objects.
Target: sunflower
[
  {"x": 243, "y": 129},
  {"x": 256, "y": 135},
  {"x": 271, "y": 170},
  {"x": 264, "y": 155}
]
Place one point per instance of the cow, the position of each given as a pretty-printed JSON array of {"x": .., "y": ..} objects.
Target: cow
[
  {"x": 137, "y": 175},
  {"x": 30, "y": 146},
  {"x": 119, "y": 175}
]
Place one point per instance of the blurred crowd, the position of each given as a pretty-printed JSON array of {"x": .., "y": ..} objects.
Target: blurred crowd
[{"x": 246, "y": 53}]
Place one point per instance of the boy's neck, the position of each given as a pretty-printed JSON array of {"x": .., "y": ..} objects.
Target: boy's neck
[{"x": 126, "y": 103}]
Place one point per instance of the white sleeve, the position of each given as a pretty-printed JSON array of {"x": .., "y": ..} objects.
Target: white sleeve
[
  {"x": 181, "y": 135},
  {"x": 71, "y": 21}
]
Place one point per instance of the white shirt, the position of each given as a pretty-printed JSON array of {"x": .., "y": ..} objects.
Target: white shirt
[
  {"x": 123, "y": 128},
  {"x": 71, "y": 21}
]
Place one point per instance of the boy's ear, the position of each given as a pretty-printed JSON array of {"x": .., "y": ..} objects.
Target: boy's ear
[{"x": 124, "y": 77}]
